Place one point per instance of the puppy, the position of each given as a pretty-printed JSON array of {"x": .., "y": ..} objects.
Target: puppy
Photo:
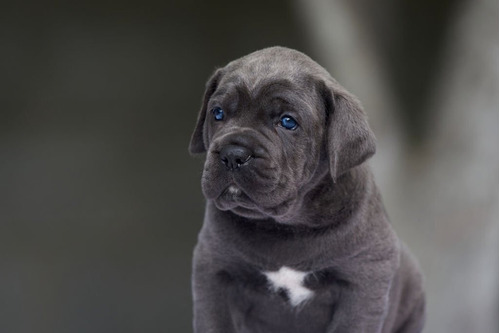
[{"x": 295, "y": 236}]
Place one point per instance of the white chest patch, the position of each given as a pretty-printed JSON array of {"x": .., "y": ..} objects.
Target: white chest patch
[{"x": 292, "y": 281}]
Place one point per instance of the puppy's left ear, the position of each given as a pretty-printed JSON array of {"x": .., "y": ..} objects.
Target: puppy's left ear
[
  {"x": 350, "y": 141},
  {"x": 199, "y": 140}
]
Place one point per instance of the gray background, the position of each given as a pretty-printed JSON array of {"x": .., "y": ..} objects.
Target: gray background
[{"x": 100, "y": 202}]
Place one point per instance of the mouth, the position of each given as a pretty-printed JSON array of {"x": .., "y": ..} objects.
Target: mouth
[
  {"x": 233, "y": 197},
  {"x": 233, "y": 193}
]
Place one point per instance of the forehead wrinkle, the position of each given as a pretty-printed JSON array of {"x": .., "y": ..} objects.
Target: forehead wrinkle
[
  {"x": 291, "y": 95},
  {"x": 219, "y": 93},
  {"x": 277, "y": 89},
  {"x": 241, "y": 97},
  {"x": 268, "y": 87},
  {"x": 243, "y": 92},
  {"x": 246, "y": 90},
  {"x": 237, "y": 99}
]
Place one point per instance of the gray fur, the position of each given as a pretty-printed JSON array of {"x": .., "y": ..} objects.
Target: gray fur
[{"x": 308, "y": 202}]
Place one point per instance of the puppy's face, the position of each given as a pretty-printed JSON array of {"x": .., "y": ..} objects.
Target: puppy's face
[
  {"x": 264, "y": 124},
  {"x": 263, "y": 145}
]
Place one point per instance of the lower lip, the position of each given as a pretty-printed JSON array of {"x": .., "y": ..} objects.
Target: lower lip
[
  {"x": 233, "y": 197},
  {"x": 231, "y": 193},
  {"x": 233, "y": 190}
]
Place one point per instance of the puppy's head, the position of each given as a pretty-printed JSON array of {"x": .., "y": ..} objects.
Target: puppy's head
[{"x": 272, "y": 123}]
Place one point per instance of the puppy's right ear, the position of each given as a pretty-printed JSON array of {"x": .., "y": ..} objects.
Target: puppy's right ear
[{"x": 199, "y": 140}]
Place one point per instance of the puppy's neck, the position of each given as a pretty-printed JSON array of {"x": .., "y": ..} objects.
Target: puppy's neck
[{"x": 330, "y": 203}]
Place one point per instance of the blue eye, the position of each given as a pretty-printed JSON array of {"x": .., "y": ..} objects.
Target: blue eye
[
  {"x": 288, "y": 122},
  {"x": 218, "y": 113}
]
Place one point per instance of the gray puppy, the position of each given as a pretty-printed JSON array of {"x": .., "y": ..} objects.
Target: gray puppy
[{"x": 295, "y": 236}]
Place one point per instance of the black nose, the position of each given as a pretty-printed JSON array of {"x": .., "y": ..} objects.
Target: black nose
[{"x": 235, "y": 156}]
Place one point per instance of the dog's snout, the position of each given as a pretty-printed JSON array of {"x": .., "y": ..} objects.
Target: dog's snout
[{"x": 234, "y": 156}]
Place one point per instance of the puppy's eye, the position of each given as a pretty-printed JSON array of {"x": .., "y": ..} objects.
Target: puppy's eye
[
  {"x": 218, "y": 113},
  {"x": 288, "y": 122}
]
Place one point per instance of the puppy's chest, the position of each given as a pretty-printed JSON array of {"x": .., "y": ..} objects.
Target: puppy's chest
[
  {"x": 291, "y": 287},
  {"x": 281, "y": 300},
  {"x": 291, "y": 282}
]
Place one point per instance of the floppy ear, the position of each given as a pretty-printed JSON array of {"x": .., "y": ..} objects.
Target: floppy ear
[
  {"x": 199, "y": 142},
  {"x": 350, "y": 140}
]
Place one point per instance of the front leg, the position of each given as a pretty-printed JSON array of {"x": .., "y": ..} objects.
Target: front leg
[
  {"x": 360, "y": 311},
  {"x": 364, "y": 302},
  {"x": 211, "y": 312}
]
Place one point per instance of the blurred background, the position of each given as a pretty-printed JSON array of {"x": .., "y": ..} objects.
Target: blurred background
[{"x": 100, "y": 203}]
